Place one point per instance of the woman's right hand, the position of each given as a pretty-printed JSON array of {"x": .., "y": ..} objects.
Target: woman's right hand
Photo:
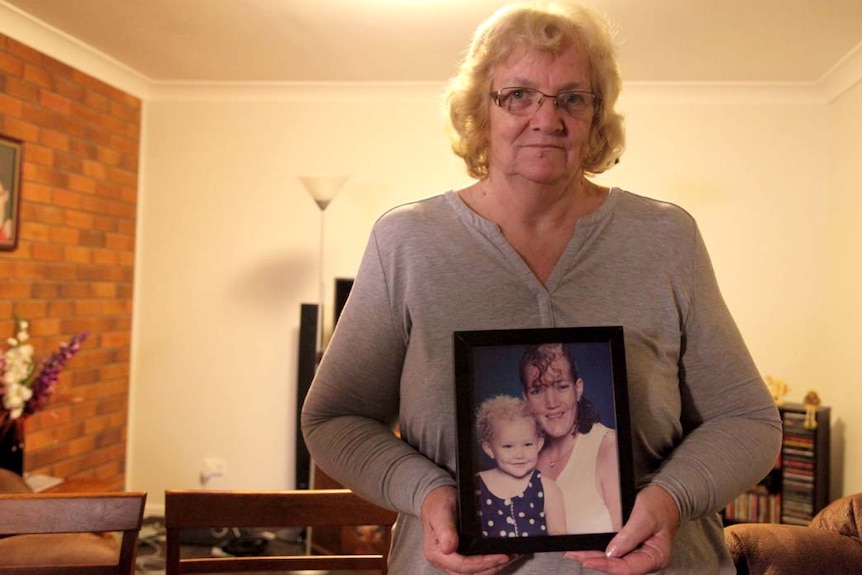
[{"x": 440, "y": 536}]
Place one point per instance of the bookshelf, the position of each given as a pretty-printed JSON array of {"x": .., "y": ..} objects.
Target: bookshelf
[{"x": 798, "y": 485}]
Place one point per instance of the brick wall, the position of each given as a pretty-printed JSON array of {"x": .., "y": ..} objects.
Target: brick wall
[{"x": 74, "y": 263}]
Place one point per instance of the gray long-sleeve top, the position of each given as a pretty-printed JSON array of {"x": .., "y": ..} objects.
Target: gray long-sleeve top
[{"x": 704, "y": 426}]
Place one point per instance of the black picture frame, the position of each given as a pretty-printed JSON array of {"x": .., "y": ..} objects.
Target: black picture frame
[
  {"x": 10, "y": 194},
  {"x": 487, "y": 364}
]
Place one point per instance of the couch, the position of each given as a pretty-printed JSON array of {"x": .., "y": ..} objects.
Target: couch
[
  {"x": 829, "y": 545},
  {"x": 53, "y": 548}
]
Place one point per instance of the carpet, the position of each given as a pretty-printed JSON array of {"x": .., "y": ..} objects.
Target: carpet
[{"x": 210, "y": 543}]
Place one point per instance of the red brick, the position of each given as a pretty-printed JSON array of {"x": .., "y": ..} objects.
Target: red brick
[
  {"x": 48, "y": 214},
  {"x": 79, "y": 198},
  {"x": 66, "y": 162},
  {"x": 105, "y": 257},
  {"x": 10, "y": 65},
  {"x": 23, "y": 52},
  {"x": 62, "y": 272},
  {"x": 44, "y": 175},
  {"x": 18, "y": 88},
  {"x": 78, "y": 219},
  {"x": 82, "y": 184},
  {"x": 55, "y": 140},
  {"x": 31, "y": 309},
  {"x": 30, "y": 270},
  {"x": 19, "y": 129},
  {"x": 11, "y": 106},
  {"x": 44, "y": 290},
  {"x": 67, "y": 199},
  {"x": 92, "y": 238},
  {"x": 60, "y": 308},
  {"x": 76, "y": 254},
  {"x": 67, "y": 236},
  {"x": 37, "y": 115},
  {"x": 39, "y": 154},
  {"x": 15, "y": 290},
  {"x": 35, "y": 232},
  {"x": 44, "y": 326},
  {"x": 120, "y": 242},
  {"x": 69, "y": 90},
  {"x": 85, "y": 150},
  {"x": 47, "y": 253},
  {"x": 37, "y": 75}
]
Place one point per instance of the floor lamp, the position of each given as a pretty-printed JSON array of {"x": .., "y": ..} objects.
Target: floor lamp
[{"x": 322, "y": 190}]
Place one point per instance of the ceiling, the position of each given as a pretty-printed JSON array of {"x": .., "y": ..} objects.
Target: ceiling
[{"x": 421, "y": 40}]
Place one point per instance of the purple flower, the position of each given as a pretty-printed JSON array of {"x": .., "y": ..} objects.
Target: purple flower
[{"x": 43, "y": 383}]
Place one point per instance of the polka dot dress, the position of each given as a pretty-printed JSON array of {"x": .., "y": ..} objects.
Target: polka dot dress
[{"x": 519, "y": 516}]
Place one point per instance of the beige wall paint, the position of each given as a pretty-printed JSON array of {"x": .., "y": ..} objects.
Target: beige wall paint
[
  {"x": 229, "y": 243},
  {"x": 836, "y": 360}
]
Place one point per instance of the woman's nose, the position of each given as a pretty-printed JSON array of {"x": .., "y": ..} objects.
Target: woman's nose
[
  {"x": 551, "y": 399},
  {"x": 548, "y": 116}
]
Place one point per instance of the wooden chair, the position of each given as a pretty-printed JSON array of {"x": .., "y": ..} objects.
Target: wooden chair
[
  {"x": 314, "y": 508},
  {"x": 57, "y": 534}
]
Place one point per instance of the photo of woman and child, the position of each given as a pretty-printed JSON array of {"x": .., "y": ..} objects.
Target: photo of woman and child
[
  {"x": 555, "y": 463},
  {"x": 556, "y": 468}
]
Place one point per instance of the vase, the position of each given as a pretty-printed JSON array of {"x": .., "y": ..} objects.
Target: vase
[{"x": 12, "y": 447}]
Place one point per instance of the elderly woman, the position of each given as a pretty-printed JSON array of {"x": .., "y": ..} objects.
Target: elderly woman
[{"x": 534, "y": 243}]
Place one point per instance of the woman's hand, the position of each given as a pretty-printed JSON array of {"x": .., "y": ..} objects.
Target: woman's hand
[
  {"x": 441, "y": 538},
  {"x": 643, "y": 545}
]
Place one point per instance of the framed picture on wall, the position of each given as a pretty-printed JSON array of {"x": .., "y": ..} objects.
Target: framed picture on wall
[
  {"x": 10, "y": 195},
  {"x": 543, "y": 418}
]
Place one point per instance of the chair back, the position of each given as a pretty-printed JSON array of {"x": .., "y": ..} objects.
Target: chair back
[
  {"x": 43, "y": 514},
  {"x": 309, "y": 508}
]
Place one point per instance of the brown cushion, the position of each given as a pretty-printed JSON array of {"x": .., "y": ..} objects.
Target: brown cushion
[
  {"x": 58, "y": 549},
  {"x": 768, "y": 549},
  {"x": 842, "y": 516}
]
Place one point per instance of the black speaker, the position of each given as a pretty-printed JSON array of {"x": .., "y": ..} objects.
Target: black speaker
[
  {"x": 307, "y": 365},
  {"x": 342, "y": 290}
]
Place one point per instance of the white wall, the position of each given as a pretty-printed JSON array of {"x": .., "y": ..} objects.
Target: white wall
[
  {"x": 229, "y": 243},
  {"x": 228, "y": 251},
  {"x": 837, "y": 358}
]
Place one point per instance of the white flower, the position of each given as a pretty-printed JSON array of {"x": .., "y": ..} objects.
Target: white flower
[{"x": 14, "y": 399}]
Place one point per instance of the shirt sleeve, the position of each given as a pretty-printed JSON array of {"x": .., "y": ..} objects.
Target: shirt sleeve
[
  {"x": 731, "y": 426},
  {"x": 352, "y": 406}
]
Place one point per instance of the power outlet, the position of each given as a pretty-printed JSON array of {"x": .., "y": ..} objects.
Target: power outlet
[{"x": 213, "y": 467}]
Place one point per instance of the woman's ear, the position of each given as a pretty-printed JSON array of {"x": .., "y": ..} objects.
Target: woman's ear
[
  {"x": 579, "y": 389},
  {"x": 486, "y": 447}
]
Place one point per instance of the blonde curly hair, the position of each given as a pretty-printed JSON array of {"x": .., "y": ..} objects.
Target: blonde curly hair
[{"x": 500, "y": 409}]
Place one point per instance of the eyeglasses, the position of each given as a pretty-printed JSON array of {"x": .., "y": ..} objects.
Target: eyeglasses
[{"x": 521, "y": 101}]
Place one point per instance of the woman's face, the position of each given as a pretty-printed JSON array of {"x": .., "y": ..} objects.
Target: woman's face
[
  {"x": 553, "y": 396},
  {"x": 548, "y": 146}
]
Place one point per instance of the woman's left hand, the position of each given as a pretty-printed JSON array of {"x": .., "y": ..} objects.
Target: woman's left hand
[{"x": 644, "y": 543}]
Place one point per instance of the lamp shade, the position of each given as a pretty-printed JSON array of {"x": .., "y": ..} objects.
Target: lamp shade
[{"x": 322, "y": 189}]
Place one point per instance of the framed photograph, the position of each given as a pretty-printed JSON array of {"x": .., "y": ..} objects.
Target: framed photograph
[
  {"x": 544, "y": 439},
  {"x": 10, "y": 195}
]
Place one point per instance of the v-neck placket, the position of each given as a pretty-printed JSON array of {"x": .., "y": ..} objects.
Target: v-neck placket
[{"x": 496, "y": 242}]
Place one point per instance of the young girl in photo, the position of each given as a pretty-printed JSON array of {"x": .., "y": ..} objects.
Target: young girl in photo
[{"x": 515, "y": 499}]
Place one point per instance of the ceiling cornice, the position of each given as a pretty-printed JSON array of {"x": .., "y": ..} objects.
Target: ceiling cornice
[
  {"x": 55, "y": 43},
  {"x": 59, "y": 45}
]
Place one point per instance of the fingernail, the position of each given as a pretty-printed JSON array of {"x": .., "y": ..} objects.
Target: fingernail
[{"x": 612, "y": 551}]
